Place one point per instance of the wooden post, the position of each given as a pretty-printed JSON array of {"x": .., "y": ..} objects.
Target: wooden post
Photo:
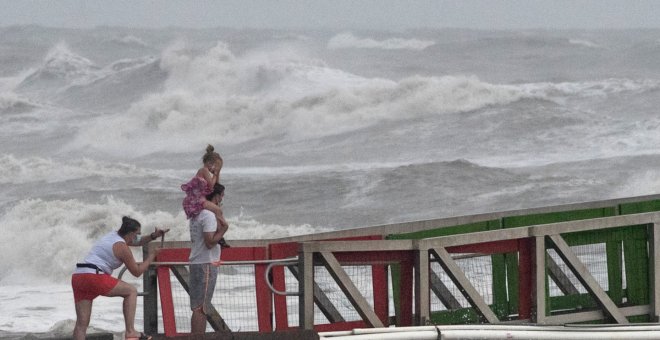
[
  {"x": 405, "y": 318},
  {"x": 654, "y": 272},
  {"x": 539, "y": 277},
  {"x": 150, "y": 300},
  {"x": 422, "y": 290},
  {"x": 525, "y": 280},
  {"x": 306, "y": 289},
  {"x": 381, "y": 298}
]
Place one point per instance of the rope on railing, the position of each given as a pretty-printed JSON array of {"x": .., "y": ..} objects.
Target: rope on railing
[{"x": 271, "y": 264}]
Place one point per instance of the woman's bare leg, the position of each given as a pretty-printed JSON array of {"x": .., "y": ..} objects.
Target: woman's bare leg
[
  {"x": 129, "y": 293},
  {"x": 83, "y": 314}
]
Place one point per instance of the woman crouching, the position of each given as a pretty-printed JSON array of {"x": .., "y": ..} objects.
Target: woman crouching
[{"x": 93, "y": 277}]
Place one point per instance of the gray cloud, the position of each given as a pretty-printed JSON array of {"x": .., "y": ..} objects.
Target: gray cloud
[{"x": 337, "y": 14}]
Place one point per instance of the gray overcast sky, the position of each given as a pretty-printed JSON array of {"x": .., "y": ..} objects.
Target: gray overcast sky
[{"x": 343, "y": 14}]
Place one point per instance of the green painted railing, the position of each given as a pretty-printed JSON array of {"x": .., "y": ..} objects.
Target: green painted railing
[{"x": 625, "y": 256}]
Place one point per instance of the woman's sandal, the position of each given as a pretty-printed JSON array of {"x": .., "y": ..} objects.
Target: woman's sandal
[{"x": 141, "y": 337}]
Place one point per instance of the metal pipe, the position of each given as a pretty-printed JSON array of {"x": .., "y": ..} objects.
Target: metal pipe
[
  {"x": 500, "y": 335},
  {"x": 228, "y": 263},
  {"x": 496, "y": 332},
  {"x": 270, "y": 286}
]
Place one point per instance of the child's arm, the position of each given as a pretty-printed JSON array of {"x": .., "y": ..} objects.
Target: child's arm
[
  {"x": 216, "y": 176},
  {"x": 210, "y": 177},
  {"x": 206, "y": 175},
  {"x": 215, "y": 170}
]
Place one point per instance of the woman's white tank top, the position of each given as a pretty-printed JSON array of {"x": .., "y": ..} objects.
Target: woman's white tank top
[{"x": 102, "y": 256}]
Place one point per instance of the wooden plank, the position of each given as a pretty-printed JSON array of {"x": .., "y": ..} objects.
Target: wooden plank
[
  {"x": 499, "y": 286},
  {"x": 264, "y": 296},
  {"x": 538, "y": 230},
  {"x": 513, "y": 284},
  {"x": 343, "y": 246},
  {"x": 214, "y": 318},
  {"x": 596, "y": 315},
  {"x": 589, "y": 282},
  {"x": 442, "y": 292},
  {"x": 464, "y": 285},
  {"x": 352, "y": 293},
  {"x": 479, "y": 237},
  {"x": 150, "y": 300},
  {"x": 166, "y": 301},
  {"x": 306, "y": 289},
  {"x": 614, "y": 252},
  {"x": 379, "y": 283},
  {"x": 654, "y": 273},
  {"x": 405, "y": 317},
  {"x": 594, "y": 224},
  {"x": 539, "y": 314},
  {"x": 559, "y": 277},
  {"x": 637, "y": 271},
  {"x": 525, "y": 278},
  {"x": 322, "y": 301}
]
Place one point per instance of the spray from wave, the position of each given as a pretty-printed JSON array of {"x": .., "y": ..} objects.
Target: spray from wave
[{"x": 66, "y": 230}]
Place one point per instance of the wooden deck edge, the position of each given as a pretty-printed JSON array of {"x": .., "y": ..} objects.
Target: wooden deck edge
[{"x": 278, "y": 335}]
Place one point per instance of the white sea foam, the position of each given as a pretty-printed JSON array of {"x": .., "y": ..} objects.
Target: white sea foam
[
  {"x": 48, "y": 237},
  {"x": 62, "y": 69},
  {"x": 600, "y": 88},
  {"x": 639, "y": 185},
  {"x": 280, "y": 92},
  {"x": 238, "y": 99},
  {"x": 14, "y": 170},
  {"x": 130, "y": 40},
  {"x": 11, "y": 101},
  {"x": 583, "y": 43},
  {"x": 61, "y": 60},
  {"x": 60, "y": 65},
  {"x": 348, "y": 40}
]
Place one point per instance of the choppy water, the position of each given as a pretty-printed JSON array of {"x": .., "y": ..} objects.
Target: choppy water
[{"x": 319, "y": 131}]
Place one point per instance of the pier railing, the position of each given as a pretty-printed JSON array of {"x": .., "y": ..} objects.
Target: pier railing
[{"x": 587, "y": 262}]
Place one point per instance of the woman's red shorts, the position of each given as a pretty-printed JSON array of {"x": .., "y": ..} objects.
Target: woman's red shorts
[{"x": 89, "y": 286}]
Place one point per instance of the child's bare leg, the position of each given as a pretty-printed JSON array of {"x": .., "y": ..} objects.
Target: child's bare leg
[
  {"x": 222, "y": 226},
  {"x": 219, "y": 216},
  {"x": 214, "y": 208}
]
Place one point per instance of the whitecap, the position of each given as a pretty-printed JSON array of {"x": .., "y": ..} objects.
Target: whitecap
[{"x": 348, "y": 40}]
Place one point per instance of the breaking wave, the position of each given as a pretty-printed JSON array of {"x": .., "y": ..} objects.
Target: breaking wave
[
  {"x": 68, "y": 228},
  {"x": 15, "y": 170}
]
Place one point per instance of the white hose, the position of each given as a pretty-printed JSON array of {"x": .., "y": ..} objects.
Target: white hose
[{"x": 497, "y": 332}]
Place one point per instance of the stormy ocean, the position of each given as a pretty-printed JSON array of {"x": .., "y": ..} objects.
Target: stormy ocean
[{"x": 319, "y": 130}]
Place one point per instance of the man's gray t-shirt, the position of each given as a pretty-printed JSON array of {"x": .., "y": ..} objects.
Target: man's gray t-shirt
[{"x": 204, "y": 222}]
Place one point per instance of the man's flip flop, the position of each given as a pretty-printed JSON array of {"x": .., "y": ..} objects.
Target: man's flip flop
[{"x": 141, "y": 337}]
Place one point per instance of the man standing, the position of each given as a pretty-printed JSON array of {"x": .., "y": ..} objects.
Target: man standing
[{"x": 204, "y": 234}]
